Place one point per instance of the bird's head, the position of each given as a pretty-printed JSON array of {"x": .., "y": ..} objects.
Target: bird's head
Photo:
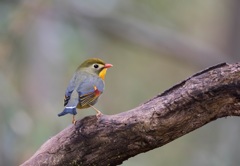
[{"x": 95, "y": 66}]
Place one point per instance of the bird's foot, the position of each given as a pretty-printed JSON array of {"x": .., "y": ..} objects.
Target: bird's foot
[
  {"x": 73, "y": 120},
  {"x": 99, "y": 114}
]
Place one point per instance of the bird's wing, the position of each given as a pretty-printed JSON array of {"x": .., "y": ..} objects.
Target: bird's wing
[
  {"x": 74, "y": 82},
  {"x": 89, "y": 90}
]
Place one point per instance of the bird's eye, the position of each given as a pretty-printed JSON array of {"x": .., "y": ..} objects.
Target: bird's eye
[{"x": 95, "y": 66}]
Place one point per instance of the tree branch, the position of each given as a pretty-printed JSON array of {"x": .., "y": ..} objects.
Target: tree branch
[{"x": 111, "y": 139}]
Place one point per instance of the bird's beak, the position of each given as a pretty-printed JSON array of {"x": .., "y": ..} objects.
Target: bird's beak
[{"x": 108, "y": 65}]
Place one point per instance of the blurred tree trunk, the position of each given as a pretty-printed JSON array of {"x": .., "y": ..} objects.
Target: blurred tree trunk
[{"x": 112, "y": 139}]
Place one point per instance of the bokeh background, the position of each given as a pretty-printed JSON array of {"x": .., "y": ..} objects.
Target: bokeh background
[{"x": 152, "y": 44}]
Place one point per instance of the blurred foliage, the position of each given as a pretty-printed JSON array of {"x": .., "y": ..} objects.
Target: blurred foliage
[{"x": 152, "y": 44}]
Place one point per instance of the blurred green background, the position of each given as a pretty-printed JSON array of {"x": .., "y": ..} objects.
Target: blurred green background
[{"x": 152, "y": 44}]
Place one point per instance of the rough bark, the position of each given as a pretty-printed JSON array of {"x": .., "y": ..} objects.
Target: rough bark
[{"x": 111, "y": 139}]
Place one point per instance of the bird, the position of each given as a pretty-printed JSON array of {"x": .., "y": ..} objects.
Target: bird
[{"x": 85, "y": 87}]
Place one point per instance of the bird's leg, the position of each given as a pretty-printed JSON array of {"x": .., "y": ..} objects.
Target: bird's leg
[
  {"x": 73, "y": 120},
  {"x": 98, "y": 112}
]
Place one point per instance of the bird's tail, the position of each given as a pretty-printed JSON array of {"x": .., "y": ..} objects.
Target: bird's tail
[{"x": 68, "y": 110}]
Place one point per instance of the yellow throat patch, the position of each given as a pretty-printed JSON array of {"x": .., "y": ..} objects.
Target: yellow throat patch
[{"x": 103, "y": 73}]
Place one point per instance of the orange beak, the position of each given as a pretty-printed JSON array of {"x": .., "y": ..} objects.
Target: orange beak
[{"x": 108, "y": 65}]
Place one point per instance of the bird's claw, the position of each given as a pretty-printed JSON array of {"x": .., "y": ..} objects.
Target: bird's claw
[
  {"x": 73, "y": 120},
  {"x": 99, "y": 114}
]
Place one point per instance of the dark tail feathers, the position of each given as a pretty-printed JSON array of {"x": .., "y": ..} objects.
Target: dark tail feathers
[{"x": 68, "y": 110}]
